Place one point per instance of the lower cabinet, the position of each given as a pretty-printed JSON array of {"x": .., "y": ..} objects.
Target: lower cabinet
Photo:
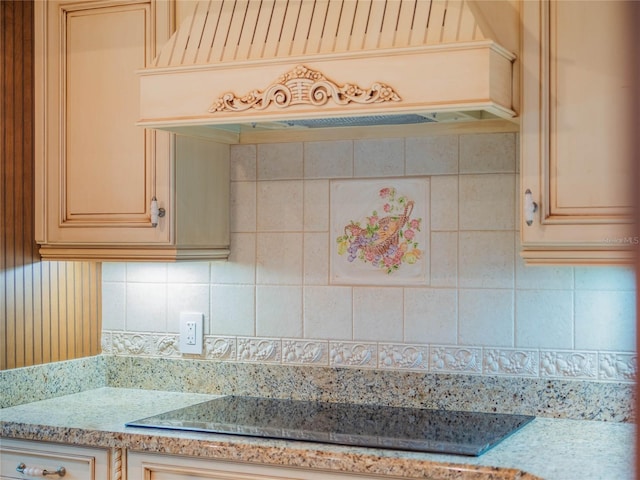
[
  {"x": 146, "y": 466},
  {"x": 26, "y": 459}
]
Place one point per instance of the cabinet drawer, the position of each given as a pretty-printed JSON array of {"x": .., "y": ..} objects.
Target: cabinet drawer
[
  {"x": 146, "y": 466},
  {"x": 80, "y": 463}
]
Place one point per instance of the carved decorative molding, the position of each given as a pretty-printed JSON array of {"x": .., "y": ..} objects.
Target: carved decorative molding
[
  {"x": 118, "y": 462},
  {"x": 304, "y": 86}
]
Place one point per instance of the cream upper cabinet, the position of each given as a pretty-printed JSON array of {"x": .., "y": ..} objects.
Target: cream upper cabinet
[
  {"x": 97, "y": 173},
  {"x": 576, "y": 158}
]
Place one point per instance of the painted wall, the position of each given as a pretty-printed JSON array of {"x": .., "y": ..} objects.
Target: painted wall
[
  {"x": 480, "y": 310},
  {"x": 49, "y": 311}
]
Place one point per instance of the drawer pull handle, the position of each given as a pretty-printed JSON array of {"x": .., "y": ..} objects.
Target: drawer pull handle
[{"x": 40, "y": 472}]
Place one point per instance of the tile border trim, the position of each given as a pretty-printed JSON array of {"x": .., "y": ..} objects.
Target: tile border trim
[{"x": 602, "y": 366}]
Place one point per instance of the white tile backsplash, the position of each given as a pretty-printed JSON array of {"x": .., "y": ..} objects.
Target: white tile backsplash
[
  {"x": 233, "y": 310},
  {"x": 486, "y": 259},
  {"x": 379, "y": 158},
  {"x": 444, "y": 203},
  {"x": 486, "y": 202},
  {"x": 243, "y": 163},
  {"x": 279, "y": 259},
  {"x": 495, "y": 153},
  {"x": 378, "y": 313},
  {"x": 280, "y": 206},
  {"x": 430, "y": 315},
  {"x": 328, "y": 312},
  {"x": 444, "y": 259},
  {"x": 242, "y": 207},
  {"x": 278, "y": 161},
  {"x": 146, "y": 307},
  {"x": 605, "y": 320},
  {"x": 150, "y": 273},
  {"x": 316, "y": 206},
  {"x": 432, "y": 155},
  {"x": 604, "y": 278},
  {"x": 315, "y": 252},
  {"x": 279, "y": 311},
  {"x": 113, "y": 309},
  {"x": 479, "y": 311},
  {"x": 544, "y": 318},
  {"x": 328, "y": 159},
  {"x": 114, "y": 272},
  {"x": 188, "y": 272},
  {"x": 485, "y": 317}
]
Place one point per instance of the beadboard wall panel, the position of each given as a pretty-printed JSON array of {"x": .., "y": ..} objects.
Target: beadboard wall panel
[{"x": 49, "y": 311}]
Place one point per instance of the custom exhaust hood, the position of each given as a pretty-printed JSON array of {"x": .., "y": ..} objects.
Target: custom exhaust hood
[{"x": 235, "y": 65}]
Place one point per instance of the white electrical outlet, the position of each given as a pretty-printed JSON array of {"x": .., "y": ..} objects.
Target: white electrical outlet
[
  {"x": 190, "y": 338},
  {"x": 191, "y": 334}
]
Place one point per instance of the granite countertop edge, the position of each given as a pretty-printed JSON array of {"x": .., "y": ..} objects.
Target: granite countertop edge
[{"x": 96, "y": 418}]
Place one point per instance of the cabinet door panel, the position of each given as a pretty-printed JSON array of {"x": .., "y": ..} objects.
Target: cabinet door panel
[
  {"x": 103, "y": 151},
  {"x": 590, "y": 85}
]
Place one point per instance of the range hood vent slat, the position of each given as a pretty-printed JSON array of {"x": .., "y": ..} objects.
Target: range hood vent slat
[
  {"x": 238, "y": 30},
  {"x": 440, "y": 56}
]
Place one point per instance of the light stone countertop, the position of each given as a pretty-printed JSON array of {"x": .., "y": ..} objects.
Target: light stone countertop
[{"x": 553, "y": 449}]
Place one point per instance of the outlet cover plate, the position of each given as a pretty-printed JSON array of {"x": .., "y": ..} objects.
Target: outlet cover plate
[{"x": 191, "y": 332}]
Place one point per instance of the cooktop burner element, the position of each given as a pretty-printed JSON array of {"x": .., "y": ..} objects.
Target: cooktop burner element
[{"x": 400, "y": 428}]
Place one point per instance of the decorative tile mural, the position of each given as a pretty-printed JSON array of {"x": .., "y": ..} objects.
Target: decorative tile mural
[{"x": 380, "y": 229}]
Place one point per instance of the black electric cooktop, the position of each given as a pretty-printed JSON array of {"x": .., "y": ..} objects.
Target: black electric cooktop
[{"x": 399, "y": 428}]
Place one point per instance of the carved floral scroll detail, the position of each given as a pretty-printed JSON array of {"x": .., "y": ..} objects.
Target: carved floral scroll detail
[{"x": 303, "y": 85}]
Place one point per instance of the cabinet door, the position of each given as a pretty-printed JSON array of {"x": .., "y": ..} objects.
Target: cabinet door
[
  {"x": 79, "y": 463},
  {"x": 146, "y": 466},
  {"x": 575, "y": 131},
  {"x": 96, "y": 170}
]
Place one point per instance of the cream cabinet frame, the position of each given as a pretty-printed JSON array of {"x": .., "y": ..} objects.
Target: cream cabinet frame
[
  {"x": 97, "y": 173},
  {"x": 576, "y": 119},
  {"x": 85, "y": 463}
]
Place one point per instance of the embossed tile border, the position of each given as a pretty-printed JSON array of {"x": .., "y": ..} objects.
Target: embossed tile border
[
  {"x": 455, "y": 359},
  {"x": 305, "y": 352},
  {"x": 353, "y": 354},
  {"x": 488, "y": 361}
]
